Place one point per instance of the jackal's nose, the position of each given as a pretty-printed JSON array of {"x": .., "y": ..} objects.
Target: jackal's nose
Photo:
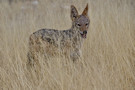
[{"x": 84, "y": 32}]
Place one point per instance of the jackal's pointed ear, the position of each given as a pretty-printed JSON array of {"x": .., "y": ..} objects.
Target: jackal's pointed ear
[
  {"x": 74, "y": 13},
  {"x": 85, "y": 12}
]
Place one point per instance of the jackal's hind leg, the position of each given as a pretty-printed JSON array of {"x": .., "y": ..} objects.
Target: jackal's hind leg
[{"x": 30, "y": 58}]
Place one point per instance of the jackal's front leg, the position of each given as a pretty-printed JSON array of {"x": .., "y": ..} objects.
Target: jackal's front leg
[{"x": 76, "y": 55}]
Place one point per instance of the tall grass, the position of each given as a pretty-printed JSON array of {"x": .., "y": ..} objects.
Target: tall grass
[{"x": 108, "y": 52}]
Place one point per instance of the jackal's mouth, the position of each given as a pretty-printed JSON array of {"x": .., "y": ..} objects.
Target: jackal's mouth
[{"x": 83, "y": 34}]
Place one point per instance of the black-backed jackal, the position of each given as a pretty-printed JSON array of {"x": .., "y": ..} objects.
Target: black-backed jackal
[{"x": 49, "y": 41}]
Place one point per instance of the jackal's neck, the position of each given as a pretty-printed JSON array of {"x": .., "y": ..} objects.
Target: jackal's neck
[
  {"x": 74, "y": 29},
  {"x": 76, "y": 35}
]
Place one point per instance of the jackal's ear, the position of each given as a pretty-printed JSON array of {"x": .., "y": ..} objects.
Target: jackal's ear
[
  {"x": 74, "y": 13},
  {"x": 85, "y": 12}
]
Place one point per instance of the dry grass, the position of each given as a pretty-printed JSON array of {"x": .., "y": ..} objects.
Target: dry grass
[{"x": 109, "y": 50}]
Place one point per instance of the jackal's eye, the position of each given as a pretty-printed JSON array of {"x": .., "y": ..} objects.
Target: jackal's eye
[
  {"x": 78, "y": 25},
  {"x": 86, "y": 24}
]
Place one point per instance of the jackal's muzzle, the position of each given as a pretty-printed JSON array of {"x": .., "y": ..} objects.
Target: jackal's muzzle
[{"x": 83, "y": 34}]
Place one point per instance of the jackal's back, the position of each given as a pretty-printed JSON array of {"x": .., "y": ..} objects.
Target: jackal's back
[{"x": 55, "y": 37}]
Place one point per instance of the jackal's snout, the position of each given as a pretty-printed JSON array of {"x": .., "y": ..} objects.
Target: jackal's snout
[{"x": 83, "y": 33}]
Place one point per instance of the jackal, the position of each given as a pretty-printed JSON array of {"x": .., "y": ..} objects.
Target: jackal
[{"x": 50, "y": 41}]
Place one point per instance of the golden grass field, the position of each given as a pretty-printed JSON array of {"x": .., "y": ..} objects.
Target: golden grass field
[{"x": 108, "y": 52}]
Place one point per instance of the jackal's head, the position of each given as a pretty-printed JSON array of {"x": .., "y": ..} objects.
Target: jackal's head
[{"x": 81, "y": 22}]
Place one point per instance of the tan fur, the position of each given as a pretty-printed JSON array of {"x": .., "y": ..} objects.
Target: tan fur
[{"x": 50, "y": 42}]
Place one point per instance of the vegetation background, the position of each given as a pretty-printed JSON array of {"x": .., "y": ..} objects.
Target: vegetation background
[{"x": 109, "y": 50}]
